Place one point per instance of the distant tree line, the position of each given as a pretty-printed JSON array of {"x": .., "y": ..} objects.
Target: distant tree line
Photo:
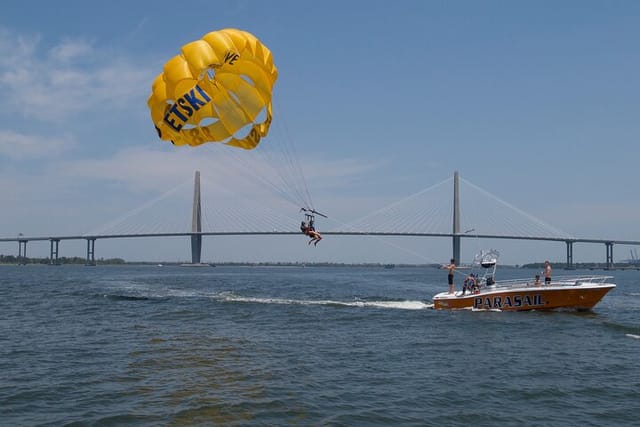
[{"x": 12, "y": 259}]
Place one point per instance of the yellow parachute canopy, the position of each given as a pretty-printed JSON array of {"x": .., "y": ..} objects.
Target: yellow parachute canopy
[{"x": 217, "y": 86}]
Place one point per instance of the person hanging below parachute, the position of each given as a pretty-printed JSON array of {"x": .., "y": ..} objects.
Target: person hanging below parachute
[
  {"x": 308, "y": 230},
  {"x": 308, "y": 225}
]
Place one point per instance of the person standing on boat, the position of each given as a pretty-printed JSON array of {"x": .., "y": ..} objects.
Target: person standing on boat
[
  {"x": 452, "y": 268},
  {"x": 547, "y": 273}
]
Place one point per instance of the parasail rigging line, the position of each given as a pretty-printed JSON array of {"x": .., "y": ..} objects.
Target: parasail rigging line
[{"x": 293, "y": 160}]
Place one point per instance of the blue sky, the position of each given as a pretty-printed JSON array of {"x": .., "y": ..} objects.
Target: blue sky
[{"x": 537, "y": 102}]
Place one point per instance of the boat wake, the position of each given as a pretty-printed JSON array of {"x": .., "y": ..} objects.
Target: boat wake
[
  {"x": 401, "y": 305},
  {"x": 135, "y": 292},
  {"x": 632, "y": 336}
]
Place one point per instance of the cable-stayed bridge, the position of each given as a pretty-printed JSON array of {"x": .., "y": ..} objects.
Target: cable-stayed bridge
[{"x": 454, "y": 208}]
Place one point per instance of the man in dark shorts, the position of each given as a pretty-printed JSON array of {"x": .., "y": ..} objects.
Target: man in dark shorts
[
  {"x": 547, "y": 273},
  {"x": 451, "y": 267}
]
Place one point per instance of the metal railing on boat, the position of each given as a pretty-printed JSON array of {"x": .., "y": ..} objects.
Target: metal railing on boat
[{"x": 557, "y": 281}]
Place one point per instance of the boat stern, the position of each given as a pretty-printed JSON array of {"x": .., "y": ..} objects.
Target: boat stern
[{"x": 455, "y": 301}]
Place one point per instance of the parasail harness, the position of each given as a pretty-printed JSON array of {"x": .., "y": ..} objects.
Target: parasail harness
[
  {"x": 309, "y": 216},
  {"x": 308, "y": 225}
]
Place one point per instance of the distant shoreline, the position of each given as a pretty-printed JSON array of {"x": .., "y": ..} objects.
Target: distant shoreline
[{"x": 11, "y": 260}]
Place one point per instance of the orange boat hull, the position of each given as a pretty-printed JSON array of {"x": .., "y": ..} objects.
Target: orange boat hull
[{"x": 539, "y": 298}]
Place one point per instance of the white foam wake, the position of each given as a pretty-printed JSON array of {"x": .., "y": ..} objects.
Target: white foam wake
[
  {"x": 633, "y": 336},
  {"x": 402, "y": 305}
]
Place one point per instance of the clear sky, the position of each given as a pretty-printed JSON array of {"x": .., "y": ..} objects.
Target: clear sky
[{"x": 537, "y": 102}]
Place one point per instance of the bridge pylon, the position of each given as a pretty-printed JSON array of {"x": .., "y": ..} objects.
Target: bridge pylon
[
  {"x": 456, "y": 219},
  {"x": 196, "y": 222},
  {"x": 609, "y": 262},
  {"x": 91, "y": 252},
  {"x": 53, "y": 251},
  {"x": 22, "y": 251},
  {"x": 569, "y": 264}
]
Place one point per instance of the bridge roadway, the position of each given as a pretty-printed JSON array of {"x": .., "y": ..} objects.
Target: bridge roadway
[{"x": 55, "y": 240}]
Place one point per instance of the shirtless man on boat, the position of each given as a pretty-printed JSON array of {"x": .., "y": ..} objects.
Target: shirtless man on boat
[
  {"x": 452, "y": 268},
  {"x": 547, "y": 273}
]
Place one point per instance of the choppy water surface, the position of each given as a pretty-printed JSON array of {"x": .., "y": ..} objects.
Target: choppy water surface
[{"x": 303, "y": 346}]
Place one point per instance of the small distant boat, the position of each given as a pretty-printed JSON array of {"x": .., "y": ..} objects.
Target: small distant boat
[
  {"x": 579, "y": 293},
  {"x": 197, "y": 264}
]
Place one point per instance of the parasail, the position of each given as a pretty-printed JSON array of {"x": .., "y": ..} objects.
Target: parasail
[{"x": 218, "y": 89}]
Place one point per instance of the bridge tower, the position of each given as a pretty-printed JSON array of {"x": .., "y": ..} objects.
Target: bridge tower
[
  {"x": 609, "y": 264},
  {"x": 456, "y": 219},
  {"x": 196, "y": 222}
]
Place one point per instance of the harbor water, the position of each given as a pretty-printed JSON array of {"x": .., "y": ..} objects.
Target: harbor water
[{"x": 313, "y": 346}]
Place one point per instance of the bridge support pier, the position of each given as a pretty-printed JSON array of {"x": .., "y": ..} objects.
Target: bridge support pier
[
  {"x": 53, "y": 251},
  {"x": 196, "y": 222},
  {"x": 569, "y": 265},
  {"x": 609, "y": 261},
  {"x": 196, "y": 249},
  {"x": 91, "y": 251},
  {"x": 22, "y": 252},
  {"x": 456, "y": 219}
]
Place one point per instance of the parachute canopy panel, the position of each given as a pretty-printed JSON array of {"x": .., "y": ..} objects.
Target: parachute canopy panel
[{"x": 218, "y": 89}]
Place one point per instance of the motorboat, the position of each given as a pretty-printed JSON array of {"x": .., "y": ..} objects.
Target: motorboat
[{"x": 579, "y": 293}]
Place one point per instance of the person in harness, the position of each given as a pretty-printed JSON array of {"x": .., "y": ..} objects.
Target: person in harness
[{"x": 308, "y": 229}]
